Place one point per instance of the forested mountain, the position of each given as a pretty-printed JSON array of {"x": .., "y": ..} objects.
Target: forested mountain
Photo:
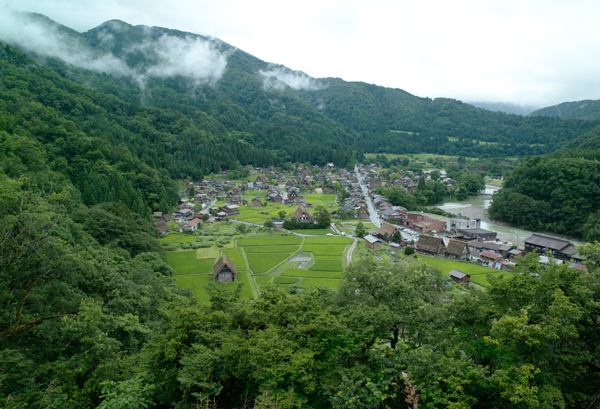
[
  {"x": 507, "y": 108},
  {"x": 586, "y": 109},
  {"x": 284, "y": 114}
]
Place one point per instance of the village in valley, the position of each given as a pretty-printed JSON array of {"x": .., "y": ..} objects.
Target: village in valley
[{"x": 302, "y": 226}]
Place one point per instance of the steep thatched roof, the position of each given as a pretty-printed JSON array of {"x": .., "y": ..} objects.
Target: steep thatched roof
[
  {"x": 430, "y": 244},
  {"x": 302, "y": 215},
  {"x": 387, "y": 228},
  {"x": 455, "y": 247},
  {"x": 224, "y": 261}
]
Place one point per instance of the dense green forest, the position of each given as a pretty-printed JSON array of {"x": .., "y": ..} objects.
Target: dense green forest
[
  {"x": 586, "y": 109},
  {"x": 320, "y": 120},
  {"x": 557, "y": 193}
]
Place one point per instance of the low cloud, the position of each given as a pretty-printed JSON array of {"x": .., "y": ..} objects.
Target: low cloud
[
  {"x": 191, "y": 57},
  {"x": 279, "y": 77}
]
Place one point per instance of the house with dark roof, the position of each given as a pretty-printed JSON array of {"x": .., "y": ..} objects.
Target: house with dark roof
[
  {"x": 429, "y": 245},
  {"x": 459, "y": 277},
  {"x": 302, "y": 215},
  {"x": 387, "y": 230},
  {"x": 457, "y": 250},
  {"x": 224, "y": 270},
  {"x": 161, "y": 228},
  {"x": 478, "y": 234},
  {"x": 558, "y": 248},
  {"x": 372, "y": 242}
]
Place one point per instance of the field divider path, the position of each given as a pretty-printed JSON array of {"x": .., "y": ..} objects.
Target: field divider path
[{"x": 350, "y": 251}]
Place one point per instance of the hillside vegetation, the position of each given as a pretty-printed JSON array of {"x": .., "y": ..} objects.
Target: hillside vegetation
[{"x": 586, "y": 109}]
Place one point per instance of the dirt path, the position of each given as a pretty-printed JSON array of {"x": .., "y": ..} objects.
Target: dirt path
[{"x": 350, "y": 251}]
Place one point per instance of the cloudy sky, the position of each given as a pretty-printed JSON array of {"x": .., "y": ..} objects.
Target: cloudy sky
[{"x": 525, "y": 52}]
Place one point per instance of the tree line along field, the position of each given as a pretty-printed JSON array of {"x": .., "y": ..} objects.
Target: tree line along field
[{"x": 264, "y": 259}]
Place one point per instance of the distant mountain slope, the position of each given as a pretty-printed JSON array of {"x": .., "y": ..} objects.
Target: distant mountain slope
[
  {"x": 586, "y": 109},
  {"x": 589, "y": 140},
  {"x": 505, "y": 107},
  {"x": 278, "y": 111}
]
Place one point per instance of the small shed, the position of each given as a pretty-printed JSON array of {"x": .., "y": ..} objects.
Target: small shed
[
  {"x": 459, "y": 277},
  {"x": 372, "y": 242},
  {"x": 224, "y": 270}
]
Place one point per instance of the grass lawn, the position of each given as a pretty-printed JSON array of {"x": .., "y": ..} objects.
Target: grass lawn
[
  {"x": 327, "y": 266},
  {"x": 263, "y": 262},
  {"x": 185, "y": 262},
  {"x": 482, "y": 280},
  {"x": 328, "y": 240},
  {"x": 447, "y": 265},
  {"x": 298, "y": 272},
  {"x": 196, "y": 283},
  {"x": 320, "y": 282},
  {"x": 286, "y": 280},
  {"x": 495, "y": 182},
  {"x": 237, "y": 257},
  {"x": 315, "y": 232},
  {"x": 325, "y": 250},
  {"x": 270, "y": 249},
  {"x": 320, "y": 198},
  {"x": 269, "y": 241}
]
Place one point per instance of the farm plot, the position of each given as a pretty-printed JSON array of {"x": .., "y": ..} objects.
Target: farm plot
[
  {"x": 286, "y": 280},
  {"x": 270, "y": 249},
  {"x": 262, "y": 262},
  {"x": 316, "y": 232},
  {"x": 320, "y": 198},
  {"x": 320, "y": 282},
  {"x": 482, "y": 280},
  {"x": 298, "y": 272},
  {"x": 237, "y": 257},
  {"x": 185, "y": 262},
  {"x": 325, "y": 250},
  {"x": 196, "y": 283},
  {"x": 320, "y": 257},
  {"x": 269, "y": 241},
  {"x": 327, "y": 266},
  {"x": 177, "y": 238},
  {"x": 328, "y": 240},
  {"x": 446, "y": 266}
]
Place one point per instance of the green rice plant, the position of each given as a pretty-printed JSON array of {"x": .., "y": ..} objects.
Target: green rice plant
[
  {"x": 320, "y": 257},
  {"x": 286, "y": 280},
  {"x": 482, "y": 279},
  {"x": 325, "y": 250},
  {"x": 269, "y": 241},
  {"x": 237, "y": 257},
  {"x": 328, "y": 240},
  {"x": 270, "y": 249},
  {"x": 320, "y": 282},
  {"x": 316, "y": 232},
  {"x": 327, "y": 266},
  {"x": 263, "y": 262},
  {"x": 196, "y": 283},
  {"x": 298, "y": 272},
  {"x": 185, "y": 262}
]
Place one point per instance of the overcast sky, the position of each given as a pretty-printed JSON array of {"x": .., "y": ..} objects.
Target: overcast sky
[{"x": 525, "y": 52}]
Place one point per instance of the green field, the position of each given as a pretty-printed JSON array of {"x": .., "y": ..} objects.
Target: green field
[
  {"x": 208, "y": 252},
  {"x": 315, "y": 232},
  {"x": 185, "y": 262},
  {"x": 320, "y": 198},
  {"x": 262, "y": 262},
  {"x": 327, "y": 266},
  {"x": 325, "y": 250},
  {"x": 446, "y": 266},
  {"x": 482, "y": 280},
  {"x": 321, "y": 257},
  {"x": 237, "y": 257},
  {"x": 286, "y": 280},
  {"x": 270, "y": 249},
  {"x": 319, "y": 282},
  {"x": 298, "y": 272},
  {"x": 477, "y": 273},
  {"x": 177, "y": 238},
  {"x": 328, "y": 240},
  {"x": 269, "y": 241},
  {"x": 263, "y": 279},
  {"x": 196, "y": 283}
]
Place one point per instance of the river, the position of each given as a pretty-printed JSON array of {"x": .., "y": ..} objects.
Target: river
[{"x": 477, "y": 209}]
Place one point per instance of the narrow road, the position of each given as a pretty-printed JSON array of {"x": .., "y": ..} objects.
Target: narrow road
[
  {"x": 351, "y": 250},
  {"x": 372, "y": 211}
]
